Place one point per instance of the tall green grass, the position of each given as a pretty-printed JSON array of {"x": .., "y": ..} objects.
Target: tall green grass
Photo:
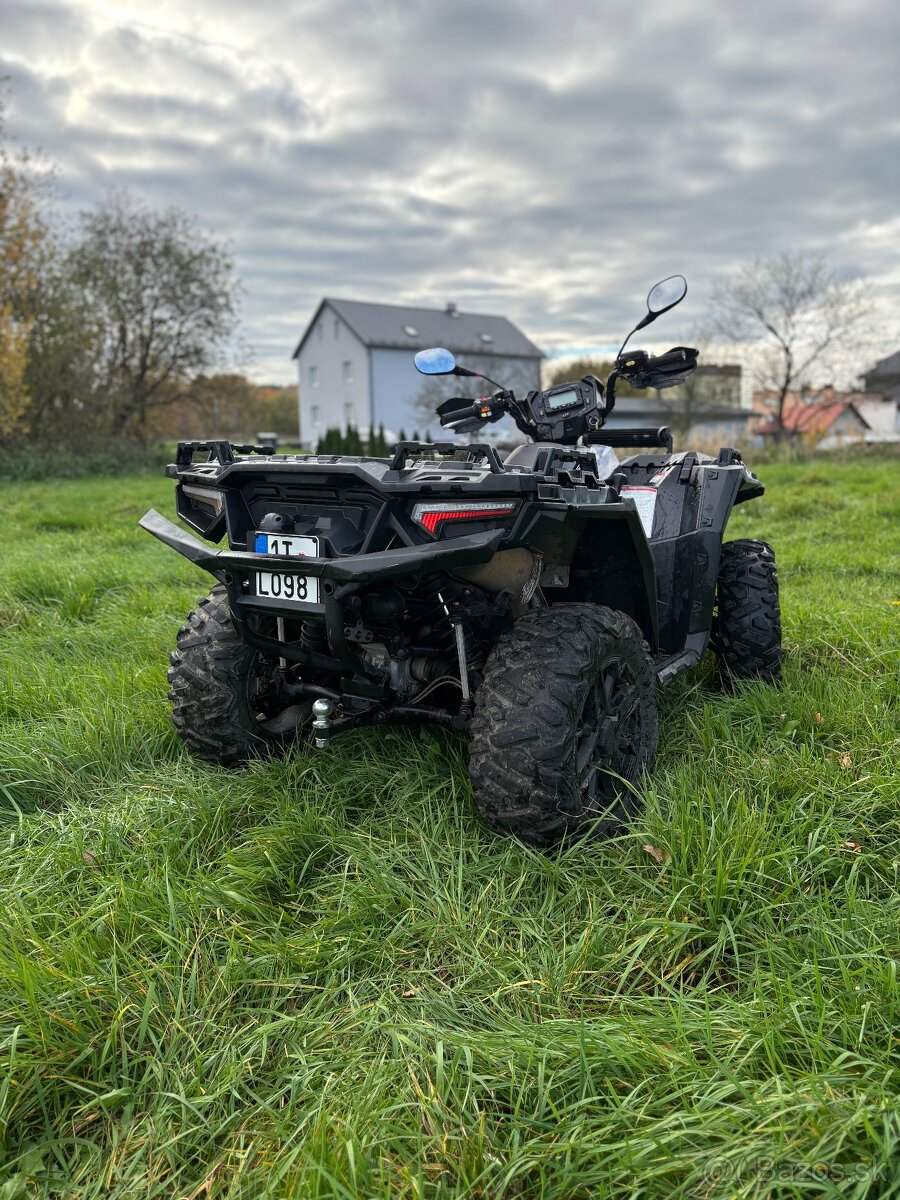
[{"x": 320, "y": 977}]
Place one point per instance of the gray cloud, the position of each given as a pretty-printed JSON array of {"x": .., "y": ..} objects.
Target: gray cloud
[{"x": 543, "y": 161}]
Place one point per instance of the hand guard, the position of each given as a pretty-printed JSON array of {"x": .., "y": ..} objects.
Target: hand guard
[{"x": 643, "y": 370}]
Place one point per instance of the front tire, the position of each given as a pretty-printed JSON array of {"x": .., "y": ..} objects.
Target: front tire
[
  {"x": 747, "y": 626},
  {"x": 216, "y": 682},
  {"x": 568, "y": 703}
]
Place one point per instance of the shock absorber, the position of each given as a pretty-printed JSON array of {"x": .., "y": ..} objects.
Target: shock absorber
[
  {"x": 460, "y": 637},
  {"x": 313, "y": 637}
]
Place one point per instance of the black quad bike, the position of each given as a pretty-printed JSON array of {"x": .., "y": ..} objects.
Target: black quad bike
[{"x": 534, "y": 603}]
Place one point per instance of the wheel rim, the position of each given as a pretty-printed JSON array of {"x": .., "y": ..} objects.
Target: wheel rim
[{"x": 609, "y": 734}]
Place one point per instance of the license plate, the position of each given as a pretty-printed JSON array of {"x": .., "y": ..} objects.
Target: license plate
[{"x": 288, "y": 587}]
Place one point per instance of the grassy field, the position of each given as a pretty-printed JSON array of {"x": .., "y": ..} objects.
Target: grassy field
[{"x": 321, "y": 977}]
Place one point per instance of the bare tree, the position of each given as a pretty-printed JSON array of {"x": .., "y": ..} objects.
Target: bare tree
[{"x": 798, "y": 314}]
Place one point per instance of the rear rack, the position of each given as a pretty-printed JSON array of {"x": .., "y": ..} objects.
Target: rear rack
[
  {"x": 222, "y": 452},
  {"x": 406, "y": 450}
]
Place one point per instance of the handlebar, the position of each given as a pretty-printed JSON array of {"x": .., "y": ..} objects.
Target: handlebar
[{"x": 462, "y": 408}]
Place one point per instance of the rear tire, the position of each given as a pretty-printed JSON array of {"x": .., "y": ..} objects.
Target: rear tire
[
  {"x": 214, "y": 679},
  {"x": 568, "y": 697},
  {"x": 747, "y": 626}
]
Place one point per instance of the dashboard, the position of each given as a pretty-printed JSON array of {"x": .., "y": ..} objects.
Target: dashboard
[{"x": 567, "y": 411}]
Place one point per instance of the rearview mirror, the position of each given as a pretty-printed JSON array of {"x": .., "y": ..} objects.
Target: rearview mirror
[
  {"x": 435, "y": 362},
  {"x": 666, "y": 294},
  {"x": 661, "y": 297}
]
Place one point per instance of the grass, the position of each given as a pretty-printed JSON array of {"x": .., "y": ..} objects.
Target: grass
[{"x": 321, "y": 977}]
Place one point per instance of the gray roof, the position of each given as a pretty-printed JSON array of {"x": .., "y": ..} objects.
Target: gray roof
[
  {"x": 887, "y": 366},
  {"x": 387, "y": 325}
]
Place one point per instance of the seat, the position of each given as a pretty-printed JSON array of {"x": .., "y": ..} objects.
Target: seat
[{"x": 536, "y": 456}]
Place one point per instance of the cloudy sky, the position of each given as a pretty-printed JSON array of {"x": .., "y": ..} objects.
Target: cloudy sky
[{"x": 542, "y": 160}]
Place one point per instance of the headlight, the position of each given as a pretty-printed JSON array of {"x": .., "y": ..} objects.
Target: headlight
[
  {"x": 203, "y": 508},
  {"x": 207, "y": 497}
]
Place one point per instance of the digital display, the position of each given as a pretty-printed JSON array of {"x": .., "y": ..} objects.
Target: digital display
[{"x": 561, "y": 400}]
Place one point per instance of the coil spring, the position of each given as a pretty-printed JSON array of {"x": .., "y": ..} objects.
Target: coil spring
[{"x": 433, "y": 595}]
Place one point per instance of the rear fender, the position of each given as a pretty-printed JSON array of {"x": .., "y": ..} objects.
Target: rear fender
[{"x": 610, "y": 564}]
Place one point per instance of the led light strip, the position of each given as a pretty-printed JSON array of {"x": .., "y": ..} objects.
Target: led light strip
[{"x": 432, "y": 515}]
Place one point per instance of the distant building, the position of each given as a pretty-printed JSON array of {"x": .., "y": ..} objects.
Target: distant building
[
  {"x": 707, "y": 404},
  {"x": 715, "y": 386},
  {"x": 884, "y": 380},
  {"x": 881, "y": 412},
  {"x": 885, "y": 377},
  {"x": 355, "y": 364},
  {"x": 817, "y": 415}
]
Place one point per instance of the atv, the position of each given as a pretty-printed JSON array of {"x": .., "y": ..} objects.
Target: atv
[{"x": 534, "y": 603}]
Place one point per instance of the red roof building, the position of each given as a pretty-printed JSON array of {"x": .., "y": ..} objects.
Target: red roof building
[{"x": 813, "y": 413}]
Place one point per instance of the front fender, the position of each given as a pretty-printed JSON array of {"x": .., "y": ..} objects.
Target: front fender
[{"x": 609, "y": 562}]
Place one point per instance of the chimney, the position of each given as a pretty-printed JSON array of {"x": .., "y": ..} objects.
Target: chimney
[{"x": 451, "y": 309}]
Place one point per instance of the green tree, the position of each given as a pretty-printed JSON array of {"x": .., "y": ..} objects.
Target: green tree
[
  {"x": 377, "y": 445},
  {"x": 65, "y": 377},
  {"x": 163, "y": 297},
  {"x": 23, "y": 239},
  {"x": 331, "y": 442}
]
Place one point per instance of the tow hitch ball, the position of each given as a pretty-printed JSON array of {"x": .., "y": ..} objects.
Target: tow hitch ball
[{"x": 322, "y": 710}]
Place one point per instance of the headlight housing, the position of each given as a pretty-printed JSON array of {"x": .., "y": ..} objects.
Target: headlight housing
[{"x": 203, "y": 508}]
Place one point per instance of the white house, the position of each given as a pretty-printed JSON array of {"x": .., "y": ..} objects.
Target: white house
[{"x": 355, "y": 364}]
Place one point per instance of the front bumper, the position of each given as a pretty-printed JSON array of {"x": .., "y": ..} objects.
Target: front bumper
[{"x": 339, "y": 578}]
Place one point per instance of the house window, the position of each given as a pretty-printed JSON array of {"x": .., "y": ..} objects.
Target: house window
[
  {"x": 313, "y": 376},
  {"x": 350, "y": 414},
  {"x": 314, "y": 416},
  {"x": 348, "y": 371},
  {"x": 337, "y": 327}
]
